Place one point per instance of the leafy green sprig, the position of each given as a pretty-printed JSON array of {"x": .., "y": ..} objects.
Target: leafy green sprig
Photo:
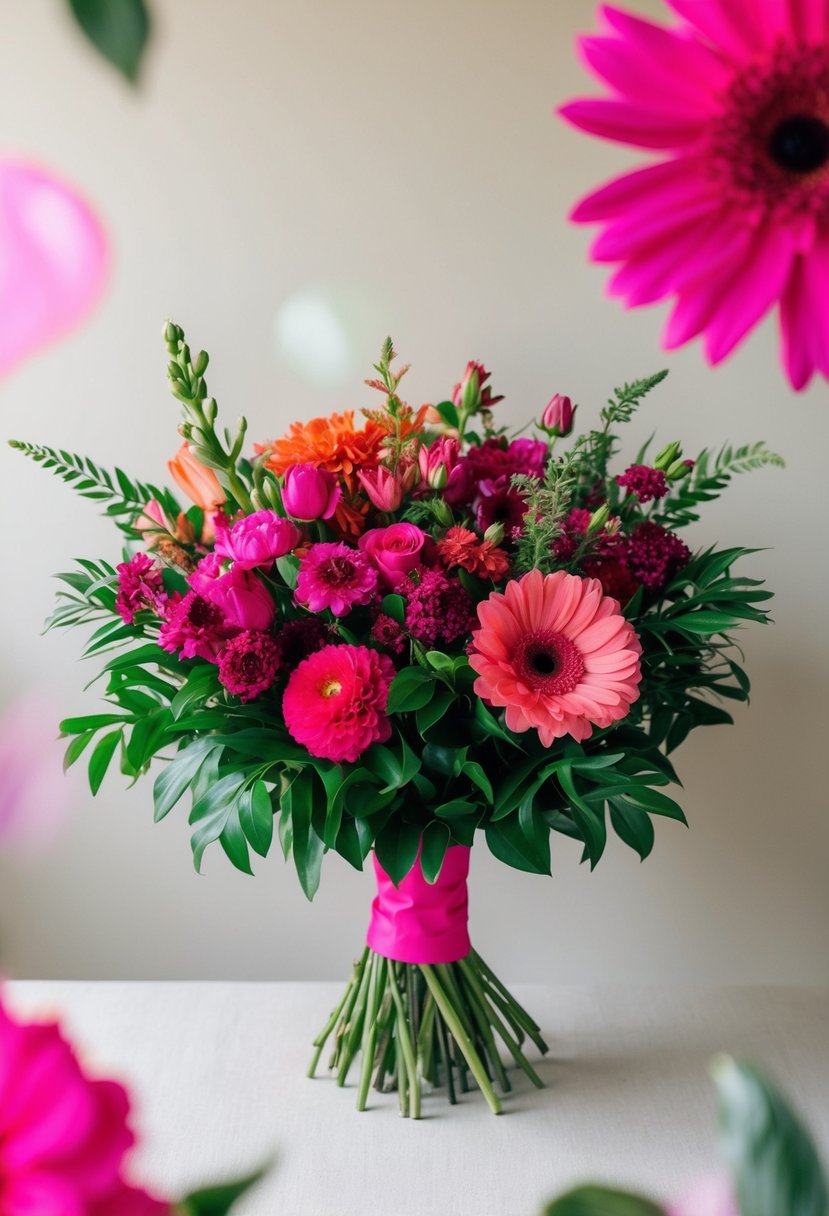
[{"x": 218, "y": 452}]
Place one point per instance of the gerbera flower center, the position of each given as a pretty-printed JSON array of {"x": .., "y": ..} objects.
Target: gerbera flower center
[
  {"x": 800, "y": 143},
  {"x": 549, "y": 662},
  {"x": 771, "y": 144}
]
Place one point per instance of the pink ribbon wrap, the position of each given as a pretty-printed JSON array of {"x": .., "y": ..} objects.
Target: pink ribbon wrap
[{"x": 421, "y": 922}]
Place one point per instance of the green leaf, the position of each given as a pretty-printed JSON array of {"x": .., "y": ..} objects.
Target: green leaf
[
  {"x": 119, "y": 30},
  {"x": 512, "y": 789},
  {"x": 354, "y": 841},
  {"x": 768, "y": 1150},
  {"x": 175, "y": 778},
  {"x": 256, "y": 817},
  {"x": 148, "y": 735},
  {"x": 212, "y": 812},
  {"x": 308, "y": 849},
  {"x": 440, "y": 662},
  {"x": 633, "y": 826},
  {"x": 473, "y": 770},
  {"x": 653, "y": 801},
  {"x": 702, "y": 622},
  {"x": 440, "y": 760},
  {"x": 509, "y": 844},
  {"x": 601, "y": 1201},
  {"x": 288, "y": 567},
  {"x": 489, "y": 724},
  {"x": 201, "y": 683},
  {"x": 436, "y": 838},
  {"x": 411, "y": 689},
  {"x": 396, "y": 847},
  {"x": 76, "y": 747},
  {"x": 99, "y": 760},
  {"x": 76, "y": 726},
  {"x": 437, "y": 708},
  {"x": 448, "y": 412},
  {"x": 218, "y": 1200},
  {"x": 589, "y": 821},
  {"x": 454, "y": 808},
  {"x": 395, "y": 766},
  {"x": 394, "y": 606}
]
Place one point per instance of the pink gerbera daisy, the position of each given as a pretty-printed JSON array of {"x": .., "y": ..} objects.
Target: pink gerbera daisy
[
  {"x": 557, "y": 654},
  {"x": 335, "y": 701},
  {"x": 335, "y": 576},
  {"x": 735, "y": 218}
]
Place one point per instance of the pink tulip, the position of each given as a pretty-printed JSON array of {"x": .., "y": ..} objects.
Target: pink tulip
[
  {"x": 558, "y": 416},
  {"x": 244, "y": 601},
  {"x": 484, "y": 398},
  {"x": 257, "y": 540},
  {"x": 53, "y": 260},
  {"x": 383, "y": 487},
  {"x": 309, "y": 493},
  {"x": 437, "y": 462}
]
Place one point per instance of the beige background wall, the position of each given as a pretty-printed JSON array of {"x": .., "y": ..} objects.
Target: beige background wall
[{"x": 406, "y": 158}]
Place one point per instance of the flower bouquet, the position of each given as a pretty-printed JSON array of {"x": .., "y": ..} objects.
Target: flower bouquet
[{"x": 393, "y": 636}]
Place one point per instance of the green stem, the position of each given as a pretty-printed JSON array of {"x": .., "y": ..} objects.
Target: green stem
[
  {"x": 377, "y": 966},
  {"x": 513, "y": 1046},
  {"x": 406, "y": 1048},
  {"x": 463, "y": 1040}
]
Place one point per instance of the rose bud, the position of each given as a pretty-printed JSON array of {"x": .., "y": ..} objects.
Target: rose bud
[{"x": 558, "y": 416}]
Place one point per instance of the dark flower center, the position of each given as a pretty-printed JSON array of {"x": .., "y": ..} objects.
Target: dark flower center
[
  {"x": 249, "y": 666},
  {"x": 336, "y": 571},
  {"x": 549, "y": 662},
  {"x": 800, "y": 144}
]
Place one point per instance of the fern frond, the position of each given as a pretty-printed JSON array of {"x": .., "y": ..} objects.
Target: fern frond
[
  {"x": 710, "y": 476},
  {"x": 125, "y": 498}
]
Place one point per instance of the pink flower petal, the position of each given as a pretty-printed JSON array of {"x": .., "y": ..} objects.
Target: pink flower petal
[
  {"x": 694, "y": 68},
  {"x": 737, "y": 26},
  {"x": 632, "y": 123},
  {"x": 810, "y": 19},
  {"x": 624, "y": 237},
  {"x": 654, "y": 186},
  {"x": 804, "y": 316},
  {"x": 53, "y": 263},
  {"x": 751, "y": 294}
]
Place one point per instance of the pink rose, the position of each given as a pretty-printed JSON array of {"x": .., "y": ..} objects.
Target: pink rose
[
  {"x": 310, "y": 493},
  {"x": 395, "y": 551},
  {"x": 558, "y": 416},
  {"x": 257, "y": 539},
  {"x": 244, "y": 601}
]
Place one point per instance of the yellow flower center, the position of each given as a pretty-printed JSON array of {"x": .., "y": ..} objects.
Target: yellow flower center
[{"x": 330, "y": 688}]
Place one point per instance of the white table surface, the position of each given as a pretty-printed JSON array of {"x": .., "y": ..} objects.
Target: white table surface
[{"x": 218, "y": 1075}]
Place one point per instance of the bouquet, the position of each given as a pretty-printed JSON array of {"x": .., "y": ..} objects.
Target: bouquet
[{"x": 392, "y": 636}]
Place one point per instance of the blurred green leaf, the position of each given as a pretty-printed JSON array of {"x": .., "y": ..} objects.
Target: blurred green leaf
[
  {"x": 218, "y": 1200},
  {"x": 600, "y": 1201},
  {"x": 118, "y": 29}
]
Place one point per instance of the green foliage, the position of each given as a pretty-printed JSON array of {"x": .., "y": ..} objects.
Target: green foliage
[
  {"x": 118, "y": 29},
  {"x": 601, "y": 1201},
  {"x": 218, "y": 1200},
  {"x": 548, "y": 502},
  {"x": 125, "y": 499},
  {"x": 710, "y": 476},
  {"x": 595, "y": 449},
  {"x": 769, "y": 1152}
]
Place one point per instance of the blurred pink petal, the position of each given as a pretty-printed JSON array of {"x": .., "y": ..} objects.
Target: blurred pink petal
[
  {"x": 710, "y": 1197},
  {"x": 34, "y": 794},
  {"x": 53, "y": 260}
]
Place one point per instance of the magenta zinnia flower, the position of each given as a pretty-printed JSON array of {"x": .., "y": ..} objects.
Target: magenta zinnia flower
[
  {"x": 63, "y": 1136},
  {"x": 557, "y": 654},
  {"x": 335, "y": 701},
  {"x": 735, "y": 218},
  {"x": 335, "y": 576}
]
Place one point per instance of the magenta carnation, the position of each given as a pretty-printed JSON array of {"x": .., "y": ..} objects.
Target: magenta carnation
[
  {"x": 335, "y": 701},
  {"x": 140, "y": 585},
  {"x": 335, "y": 576},
  {"x": 499, "y": 503},
  {"x": 257, "y": 540},
  {"x": 654, "y": 555},
  {"x": 438, "y": 609},
  {"x": 388, "y": 632},
  {"x": 643, "y": 481},
  {"x": 734, "y": 216},
  {"x": 248, "y": 664},
  {"x": 63, "y": 1136},
  {"x": 195, "y": 627}
]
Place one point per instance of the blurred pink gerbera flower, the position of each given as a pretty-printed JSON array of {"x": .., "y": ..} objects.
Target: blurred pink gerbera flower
[
  {"x": 63, "y": 1137},
  {"x": 735, "y": 218},
  {"x": 335, "y": 701},
  {"x": 557, "y": 654}
]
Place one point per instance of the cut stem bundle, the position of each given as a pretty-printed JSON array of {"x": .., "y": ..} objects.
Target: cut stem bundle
[{"x": 419, "y": 1027}]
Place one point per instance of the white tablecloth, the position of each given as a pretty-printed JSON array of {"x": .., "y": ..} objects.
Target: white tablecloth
[{"x": 218, "y": 1075}]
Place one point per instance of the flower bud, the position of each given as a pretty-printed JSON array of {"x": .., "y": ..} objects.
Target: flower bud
[
  {"x": 557, "y": 418},
  {"x": 494, "y": 533},
  {"x": 443, "y": 512},
  {"x": 598, "y": 519},
  {"x": 667, "y": 456},
  {"x": 678, "y": 470}
]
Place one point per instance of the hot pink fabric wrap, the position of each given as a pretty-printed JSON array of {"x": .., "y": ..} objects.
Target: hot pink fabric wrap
[{"x": 421, "y": 922}]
